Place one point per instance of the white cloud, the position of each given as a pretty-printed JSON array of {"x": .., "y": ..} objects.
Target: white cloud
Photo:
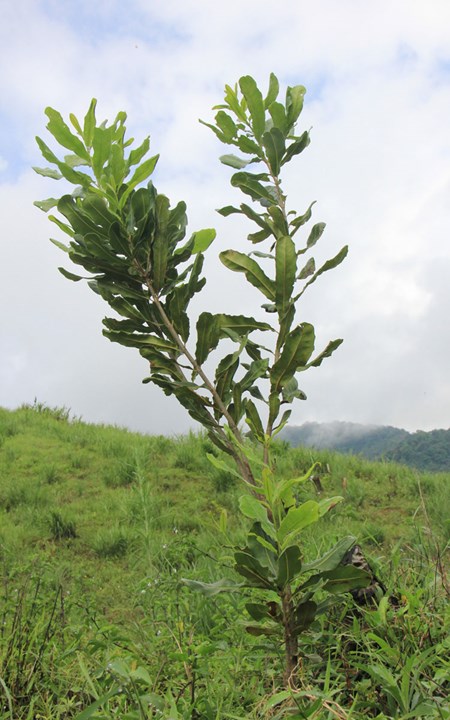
[{"x": 378, "y": 97}]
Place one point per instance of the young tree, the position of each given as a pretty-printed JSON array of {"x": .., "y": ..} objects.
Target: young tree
[{"x": 133, "y": 245}]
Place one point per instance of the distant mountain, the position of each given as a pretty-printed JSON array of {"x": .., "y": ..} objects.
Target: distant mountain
[{"x": 422, "y": 450}]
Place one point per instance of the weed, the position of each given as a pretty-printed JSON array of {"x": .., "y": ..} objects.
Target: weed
[
  {"x": 111, "y": 543},
  {"x": 61, "y": 527}
]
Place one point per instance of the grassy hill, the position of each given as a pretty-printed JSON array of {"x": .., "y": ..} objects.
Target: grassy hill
[
  {"x": 429, "y": 451},
  {"x": 98, "y": 525}
]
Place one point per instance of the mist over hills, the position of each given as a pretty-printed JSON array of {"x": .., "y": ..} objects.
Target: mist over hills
[{"x": 421, "y": 450}]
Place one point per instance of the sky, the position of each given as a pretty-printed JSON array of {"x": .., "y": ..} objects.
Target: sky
[{"x": 378, "y": 105}]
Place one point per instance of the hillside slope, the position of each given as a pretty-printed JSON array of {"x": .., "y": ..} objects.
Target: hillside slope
[{"x": 421, "y": 450}]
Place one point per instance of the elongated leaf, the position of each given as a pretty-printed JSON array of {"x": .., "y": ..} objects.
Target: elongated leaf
[
  {"x": 138, "y": 153},
  {"x": 294, "y": 103},
  {"x": 278, "y": 115},
  {"x": 255, "y": 104},
  {"x": 69, "y": 275},
  {"x": 62, "y": 133},
  {"x": 296, "y": 147},
  {"x": 141, "y": 173},
  {"x": 208, "y": 336},
  {"x": 329, "y": 350},
  {"x": 345, "y": 578},
  {"x": 307, "y": 270},
  {"x": 227, "y": 126},
  {"x": 160, "y": 245},
  {"x": 254, "y": 421},
  {"x": 315, "y": 234},
  {"x": 238, "y": 262},
  {"x": 285, "y": 271},
  {"x": 48, "y": 172},
  {"x": 202, "y": 240},
  {"x": 46, "y": 205},
  {"x": 73, "y": 176},
  {"x": 211, "y": 589},
  {"x": 258, "y": 630},
  {"x": 329, "y": 265},
  {"x": 222, "y": 465},
  {"x": 300, "y": 220},
  {"x": 274, "y": 88},
  {"x": 305, "y": 613},
  {"x": 102, "y": 142},
  {"x": 296, "y": 520},
  {"x": 246, "y": 145},
  {"x": 289, "y": 565},
  {"x": 89, "y": 124},
  {"x": 228, "y": 210},
  {"x": 295, "y": 355},
  {"x": 333, "y": 557},
  {"x": 233, "y": 161},
  {"x": 252, "y": 508},
  {"x": 251, "y": 186},
  {"x": 273, "y": 141},
  {"x": 249, "y": 567}
]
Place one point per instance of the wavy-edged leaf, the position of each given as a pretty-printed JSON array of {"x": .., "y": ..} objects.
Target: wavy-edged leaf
[
  {"x": 208, "y": 336},
  {"x": 239, "y": 262},
  {"x": 307, "y": 270},
  {"x": 202, "y": 240},
  {"x": 227, "y": 127},
  {"x": 138, "y": 153},
  {"x": 255, "y": 104},
  {"x": 273, "y": 141},
  {"x": 285, "y": 271},
  {"x": 296, "y": 352},
  {"x": 48, "y": 172},
  {"x": 234, "y": 161},
  {"x": 89, "y": 124},
  {"x": 211, "y": 589},
  {"x": 272, "y": 93},
  {"x": 63, "y": 135},
  {"x": 333, "y": 557},
  {"x": 47, "y": 204},
  {"x": 296, "y": 520},
  {"x": 254, "y": 421},
  {"x": 69, "y": 275},
  {"x": 296, "y": 147},
  {"x": 315, "y": 234},
  {"x": 252, "y": 508},
  {"x": 304, "y": 615},
  {"x": 289, "y": 565},
  {"x": 250, "y": 185},
  {"x": 294, "y": 103}
]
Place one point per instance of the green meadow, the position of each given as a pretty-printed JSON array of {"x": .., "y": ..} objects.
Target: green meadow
[{"x": 98, "y": 528}]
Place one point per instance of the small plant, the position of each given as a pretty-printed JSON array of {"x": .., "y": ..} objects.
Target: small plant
[
  {"x": 111, "y": 543},
  {"x": 61, "y": 527},
  {"x": 133, "y": 245}
]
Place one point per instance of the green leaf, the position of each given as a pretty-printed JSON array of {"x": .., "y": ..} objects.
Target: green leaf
[
  {"x": 222, "y": 465},
  {"x": 278, "y": 115},
  {"x": 259, "y": 611},
  {"x": 296, "y": 352},
  {"x": 297, "y": 519},
  {"x": 329, "y": 350},
  {"x": 254, "y": 421},
  {"x": 294, "y": 103},
  {"x": 62, "y": 133},
  {"x": 208, "y": 336},
  {"x": 252, "y": 508},
  {"x": 251, "y": 186},
  {"x": 307, "y": 270},
  {"x": 246, "y": 145},
  {"x": 160, "y": 245},
  {"x": 202, "y": 240},
  {"x": 228, "y": 210},
  {"x": 238, "y": 262},
  {"x": 211, "y": 589},
  {"x": 73, "y": 176},
  {"x": 138, "y": 153},
  {"x": 233, "y": 161},
  {"x": 297, "y": 147},
  {"x": 305, "y": 614},
  {"x": 328, "y": 504},
  {"x": 274, "y": 88},
  {"x": 89, "y": 124},
  {"x": 273, "y": 141},
  {"x": 289, "y": 565},
  {"x": 300, "y": 220},
  {"x": 285, "y": 271},
  {"x": 255, "y": 104},
  {"x": 315, "y": 234},
  {"x": 102, "y": 142},
  {"x": 227, "y": 126},
  {"x": 251, "y": 569},
  {"x": 69, "y": 275},
  {"x": 48, "y": 172},
  {"x": 333, "y": 557},
  {"x": 345, "y": 578},
  {"x": 46, "y": 205},
  {"x": 141, "y": 173}
]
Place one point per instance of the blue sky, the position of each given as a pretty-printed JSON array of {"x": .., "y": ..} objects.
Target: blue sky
[{"x": 378, "y": 81}]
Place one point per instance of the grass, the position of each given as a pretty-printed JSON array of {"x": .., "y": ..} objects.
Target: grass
[{"x": 98, "y": 525}]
